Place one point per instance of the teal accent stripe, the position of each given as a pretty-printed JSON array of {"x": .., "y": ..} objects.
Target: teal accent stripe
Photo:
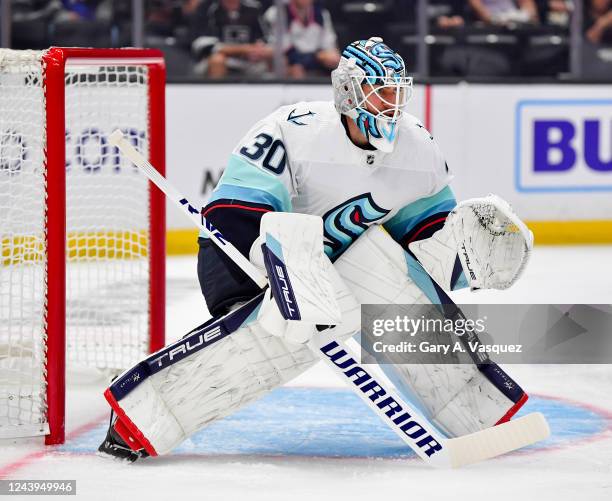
[
  {"x": 421, "y": 278},
  {"x": 409, "y": 216},
  {"x": 274, "y": 246},
  {"x": 244, "y": 181},
  {"x": 462, "y": 282},
  {"x": 242, "y": 173}
]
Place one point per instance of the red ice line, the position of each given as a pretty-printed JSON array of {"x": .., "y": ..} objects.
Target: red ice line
[{"x": 11, "y": 468}]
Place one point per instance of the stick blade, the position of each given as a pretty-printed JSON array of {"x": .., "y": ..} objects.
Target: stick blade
[
  {"x": 115, "y": 137},
  {"x": 498, "y": 440}
]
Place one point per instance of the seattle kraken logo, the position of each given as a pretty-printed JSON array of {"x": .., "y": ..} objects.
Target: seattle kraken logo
[
  {"x": 371, "y": 127},
  {"x": 345, "y": 222},
  {"x": 367, "y": 124},
  {"x": 389, "y": 58},
  {"x": 378, "y": 61}
]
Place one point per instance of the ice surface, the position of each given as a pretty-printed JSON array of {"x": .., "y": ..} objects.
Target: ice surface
[{"x": 315, "y": 440}]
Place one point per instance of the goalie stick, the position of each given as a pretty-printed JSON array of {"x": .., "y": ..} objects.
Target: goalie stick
[{"x": 404, "y": 419}]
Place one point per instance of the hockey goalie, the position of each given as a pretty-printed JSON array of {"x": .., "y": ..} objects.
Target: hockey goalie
[{"x": 353, "y": 198}]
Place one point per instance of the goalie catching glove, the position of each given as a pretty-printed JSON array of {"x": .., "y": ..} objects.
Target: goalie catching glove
[{"x": 483, "y": 235}]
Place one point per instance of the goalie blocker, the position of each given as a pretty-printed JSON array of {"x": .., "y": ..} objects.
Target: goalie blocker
[{"x": 229, "y": 362}]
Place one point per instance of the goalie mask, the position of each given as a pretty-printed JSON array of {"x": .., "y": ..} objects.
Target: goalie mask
[{"x": 371, "y": 87}]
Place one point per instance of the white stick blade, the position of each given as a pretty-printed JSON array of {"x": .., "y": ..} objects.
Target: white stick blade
[
  {"x": 498, "y": 440},
  {"x": 115, "y": 137}
]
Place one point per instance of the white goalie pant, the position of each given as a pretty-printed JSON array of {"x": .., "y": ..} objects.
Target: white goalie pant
[{"x": 216, "y": 381}]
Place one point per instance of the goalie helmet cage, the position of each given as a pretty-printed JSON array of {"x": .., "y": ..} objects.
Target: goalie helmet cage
[{"x": 82, "y": 232}]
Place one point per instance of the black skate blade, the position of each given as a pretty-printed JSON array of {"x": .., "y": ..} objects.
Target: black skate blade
[
  {"x": 111, "y": 449},
  {"x": 128, "y": 459},
  {"x": 113, "y": 446}
]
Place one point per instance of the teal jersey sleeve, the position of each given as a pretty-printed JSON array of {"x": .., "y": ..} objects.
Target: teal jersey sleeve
[
  {"x": 412, "y": 221},
  {"x": 242, "y": 180},
  {"x": 421, "y": 219},
  {"x": 258, "y": 176}
]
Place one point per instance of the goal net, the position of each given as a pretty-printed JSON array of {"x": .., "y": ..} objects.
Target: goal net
[{"x": 81, "y": 230}]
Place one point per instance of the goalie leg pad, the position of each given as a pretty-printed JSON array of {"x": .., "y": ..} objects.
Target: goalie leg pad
[
  {"x": 211, "y": 373},
  {"x": 461, "y": 397}
]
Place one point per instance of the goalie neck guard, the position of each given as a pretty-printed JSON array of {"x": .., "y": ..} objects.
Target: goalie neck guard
[{"x": 368, "y": 68}]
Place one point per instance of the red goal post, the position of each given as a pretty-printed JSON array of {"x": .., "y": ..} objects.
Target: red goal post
[{"x": 82, "y": 276}]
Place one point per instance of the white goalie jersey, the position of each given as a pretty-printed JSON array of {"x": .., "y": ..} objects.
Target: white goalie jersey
[{"x": 300, "y": 159}]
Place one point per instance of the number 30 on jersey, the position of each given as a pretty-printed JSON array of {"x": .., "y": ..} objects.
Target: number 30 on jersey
[{"x": 275, "y": 157}]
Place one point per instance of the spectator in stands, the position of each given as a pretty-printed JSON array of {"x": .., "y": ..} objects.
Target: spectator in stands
[
  {"x": 556, "y": 12},
  {"x": 30, "y": 22},
  {"x": 228, "y": 38},
  {"x": 477, "y": 57},
  {"x": 309, "y": 41},
  {"x": 163, "y": 17},
  {"x": 503, "y": 12},
  {"x": 598, "y": 21},
  {"x": 447, "y": 14},
  {"x": 82, "y": 23},
  {"x": 75, "y": 10}
]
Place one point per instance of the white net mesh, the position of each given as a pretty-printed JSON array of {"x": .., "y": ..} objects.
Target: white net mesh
[
  {"x": 107, "y": 217},
  {"x": 107, "y": 223},
  {"x": 22, "y": 240}
]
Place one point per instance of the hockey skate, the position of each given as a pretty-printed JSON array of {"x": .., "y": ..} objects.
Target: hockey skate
[{"x": 114, "y": 446}]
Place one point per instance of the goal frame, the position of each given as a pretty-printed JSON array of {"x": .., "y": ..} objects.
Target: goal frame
[{"x": 55, "y": 60}]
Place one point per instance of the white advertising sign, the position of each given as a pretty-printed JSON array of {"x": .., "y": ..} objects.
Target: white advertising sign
[
  {"x": 563, "y": 145},
  {"x": 547, "y": 149}
]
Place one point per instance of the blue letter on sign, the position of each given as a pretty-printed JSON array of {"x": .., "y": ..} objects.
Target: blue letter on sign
[
  {"x": 591, "y": 147},
  {"x": 542, "y": 144}
]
